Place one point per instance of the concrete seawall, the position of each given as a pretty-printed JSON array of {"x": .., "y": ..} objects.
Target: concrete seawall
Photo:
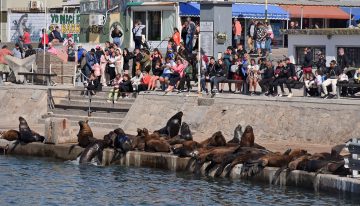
[
  {"x": 319, "y": 183},
  {"x": 303, "y": 120}
]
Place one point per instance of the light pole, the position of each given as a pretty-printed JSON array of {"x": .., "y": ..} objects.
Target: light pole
[
  {"x": 266, "y": 11},
  {"x": 1, "y": 5},
  {"x": 44, "y": 35}
]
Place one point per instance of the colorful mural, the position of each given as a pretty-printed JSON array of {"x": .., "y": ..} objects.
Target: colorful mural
[{"x": 35, "y": 22}]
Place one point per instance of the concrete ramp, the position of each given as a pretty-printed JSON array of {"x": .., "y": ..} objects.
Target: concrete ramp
[
  {"x": 20, "y": 65},
  {"x": 303, "y": 120}
]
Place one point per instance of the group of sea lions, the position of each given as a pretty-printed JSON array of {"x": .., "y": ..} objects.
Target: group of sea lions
[
  {"x": 24, "y": 135},
  {"x": 213, "y": 155}
]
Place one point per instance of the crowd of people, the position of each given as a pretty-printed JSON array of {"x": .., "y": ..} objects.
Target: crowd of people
[{"x": 143, "y": 69}]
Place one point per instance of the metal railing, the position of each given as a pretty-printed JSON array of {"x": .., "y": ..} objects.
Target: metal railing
[{"x": 353, "y": 162}]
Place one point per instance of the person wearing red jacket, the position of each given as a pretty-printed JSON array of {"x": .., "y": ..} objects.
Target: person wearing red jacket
[{"x": 176, "y": 37}]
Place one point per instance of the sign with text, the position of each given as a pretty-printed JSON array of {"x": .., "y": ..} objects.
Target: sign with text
[
  {"x": 206, "y": 26},
  {"x": 207, "y": 42}
]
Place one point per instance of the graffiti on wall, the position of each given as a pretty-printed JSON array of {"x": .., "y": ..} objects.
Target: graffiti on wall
[{"x": 35, "y": 22}]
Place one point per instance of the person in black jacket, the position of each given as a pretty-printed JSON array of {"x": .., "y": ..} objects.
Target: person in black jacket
[
  {"x": 126, "y": 86},
  {"x": 280, "y": 79},
  {"x": 220, "y": 75},
  {"x": 55, "y": 34},
  {"x": 116, "y": 35},
  {"x": 342, "y": 60},
  {"x": 30, "y": 51},
  {"x": 332, "y": 73},
  {"x": 290, "y": 74},
  {"x": 267, "y": 77},
  {"x": 307, "y": 63},
  {"x": 127, "y": 57}
]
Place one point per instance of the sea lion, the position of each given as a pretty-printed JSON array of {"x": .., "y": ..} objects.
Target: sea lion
[
  {"x": 94, "y": 149},
  {"x": 10, "y": 135},
  {"x": 85, "y": 135},
  {"x": 26, "y": 134},
  {"x": 237, "y": 135},
  {"x": 185, "y": 132},
  {"x": 185, "y": 149},
  {"x": 172, "y": 127},
  {"x": 138, "y": 142},
  {"x": 122, "y": 141},
  {"x": 247, "y": 138},
  {"x": 216, "y": 140},
  {"x": 155, "y": 145}
]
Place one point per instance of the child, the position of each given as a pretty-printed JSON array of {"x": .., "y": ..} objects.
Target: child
[
  {"x": 164, "y": 78},
  {"x": 145, "y": 80},
  {"x": 317, "y": 81},
  {"x": 113, "y": 95},
  {"x": 136, "y": 80}
]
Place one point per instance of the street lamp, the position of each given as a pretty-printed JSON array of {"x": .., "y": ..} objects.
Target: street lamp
[
  {"x": 44, "y": 35},
  {"x": 266, "y": 11}
]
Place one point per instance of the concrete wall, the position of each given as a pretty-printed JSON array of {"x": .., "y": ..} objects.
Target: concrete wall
[
  {"x": 330, "y": 44},
  {"x": 297, "y": 120},
  {"x": 15, "y": 102}
]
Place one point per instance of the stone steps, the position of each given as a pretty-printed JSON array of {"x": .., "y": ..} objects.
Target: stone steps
[
  {"x": 92, "y": 124},
  {"x": 77, "y": 112},
  {"x": 113, "y": 120}
]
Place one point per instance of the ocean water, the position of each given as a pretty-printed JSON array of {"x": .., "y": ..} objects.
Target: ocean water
[{"x": 41, "y": 181}]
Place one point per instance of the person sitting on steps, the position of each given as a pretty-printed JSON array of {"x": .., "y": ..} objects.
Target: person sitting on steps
[{"x": 114, "y": 92}]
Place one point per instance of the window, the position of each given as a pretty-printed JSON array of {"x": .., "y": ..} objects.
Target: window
[
  {"x": 154, "y": 25},
  {"x": 353, "y": 53},
  {"x": 314, "y": 49}
]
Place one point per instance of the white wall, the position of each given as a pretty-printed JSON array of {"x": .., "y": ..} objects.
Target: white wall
[{"x": 331, "y": 44}]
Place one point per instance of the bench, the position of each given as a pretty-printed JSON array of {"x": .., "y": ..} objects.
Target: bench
[
  {"x": 49, "y": 82},
  {"x": 350, "y": 84},
  {"x": 6, "y": 75}
]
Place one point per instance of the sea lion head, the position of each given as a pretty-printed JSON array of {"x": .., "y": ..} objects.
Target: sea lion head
[
  {"x": 22, "y": 123},
  {"x": 85, "y": 129},
  {"x": 185, "y": 131},
  {"x": 248, "y": 129},
  {"x": 238, "y": 132},
  {"x": 297, "y": 153},
  {"x": 145, "y": 132},
  {"x": 119, "y": 131}
]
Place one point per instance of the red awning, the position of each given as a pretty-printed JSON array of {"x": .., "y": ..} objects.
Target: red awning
[{"x": 316, "y": 12}]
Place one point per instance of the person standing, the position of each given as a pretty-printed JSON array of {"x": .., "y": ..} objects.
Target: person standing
[
  {"x": 251, "y": 34},
  {"x": 269, "y": 37},
  {"x": 116, "y": 34},
  {"x": 90, "y": 62},
  {"x": 190, "y": 35},
  {"x": 307, "y": 63},
  {"x": 26, "y": 39},
  {"x": 261, "y": 35},
  {"x": 4, "y": 67},
  {"x": 137, "y": 34},
  {"x": 176, "y": 37},
  {"x": 44, "y": 39},
  {"x": 184, "y": 32},
  {"x": 237, "y": 29}
]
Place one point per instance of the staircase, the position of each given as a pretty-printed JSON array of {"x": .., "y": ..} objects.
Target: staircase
[{"x": 74, "y": 105}]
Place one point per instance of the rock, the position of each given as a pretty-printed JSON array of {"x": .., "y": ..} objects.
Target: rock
[{"x": 58, "y": 131}]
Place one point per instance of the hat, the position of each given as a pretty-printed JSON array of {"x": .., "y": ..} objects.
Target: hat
[{"x": 97, "y": 47}]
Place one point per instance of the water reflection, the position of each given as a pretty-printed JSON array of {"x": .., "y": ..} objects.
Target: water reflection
[{"x": 30, "y": 181}]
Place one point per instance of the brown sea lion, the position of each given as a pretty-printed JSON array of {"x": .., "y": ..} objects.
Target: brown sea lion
[
  {"x": 185, "y": 149},
  {"x": 247, "y": 138},
  {"x": 276, "y": 160},
  {"x": 85, "y": 135},
  {"x": 26, "y": 134},
  {"x": 155, "y": 145},
  {"x": 138, "y": 142},
  {"x": 11, "y": 135},
  {"x": 216, "y": 140}
]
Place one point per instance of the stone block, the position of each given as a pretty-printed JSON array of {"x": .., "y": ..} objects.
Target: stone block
[{"x": 58, "y": 131}]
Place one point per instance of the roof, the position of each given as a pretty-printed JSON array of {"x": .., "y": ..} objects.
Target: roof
[
  {"x": 327, "y": 12},
  {"x": 353, "y": 11},
  {"x": 189, "y": 9},
  {"x": 257, "y": 11},
  {"x": 344, "y": 3}
]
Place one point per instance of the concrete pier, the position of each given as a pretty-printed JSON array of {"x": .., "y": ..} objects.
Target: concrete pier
[{"x": 319, "y": 183}]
